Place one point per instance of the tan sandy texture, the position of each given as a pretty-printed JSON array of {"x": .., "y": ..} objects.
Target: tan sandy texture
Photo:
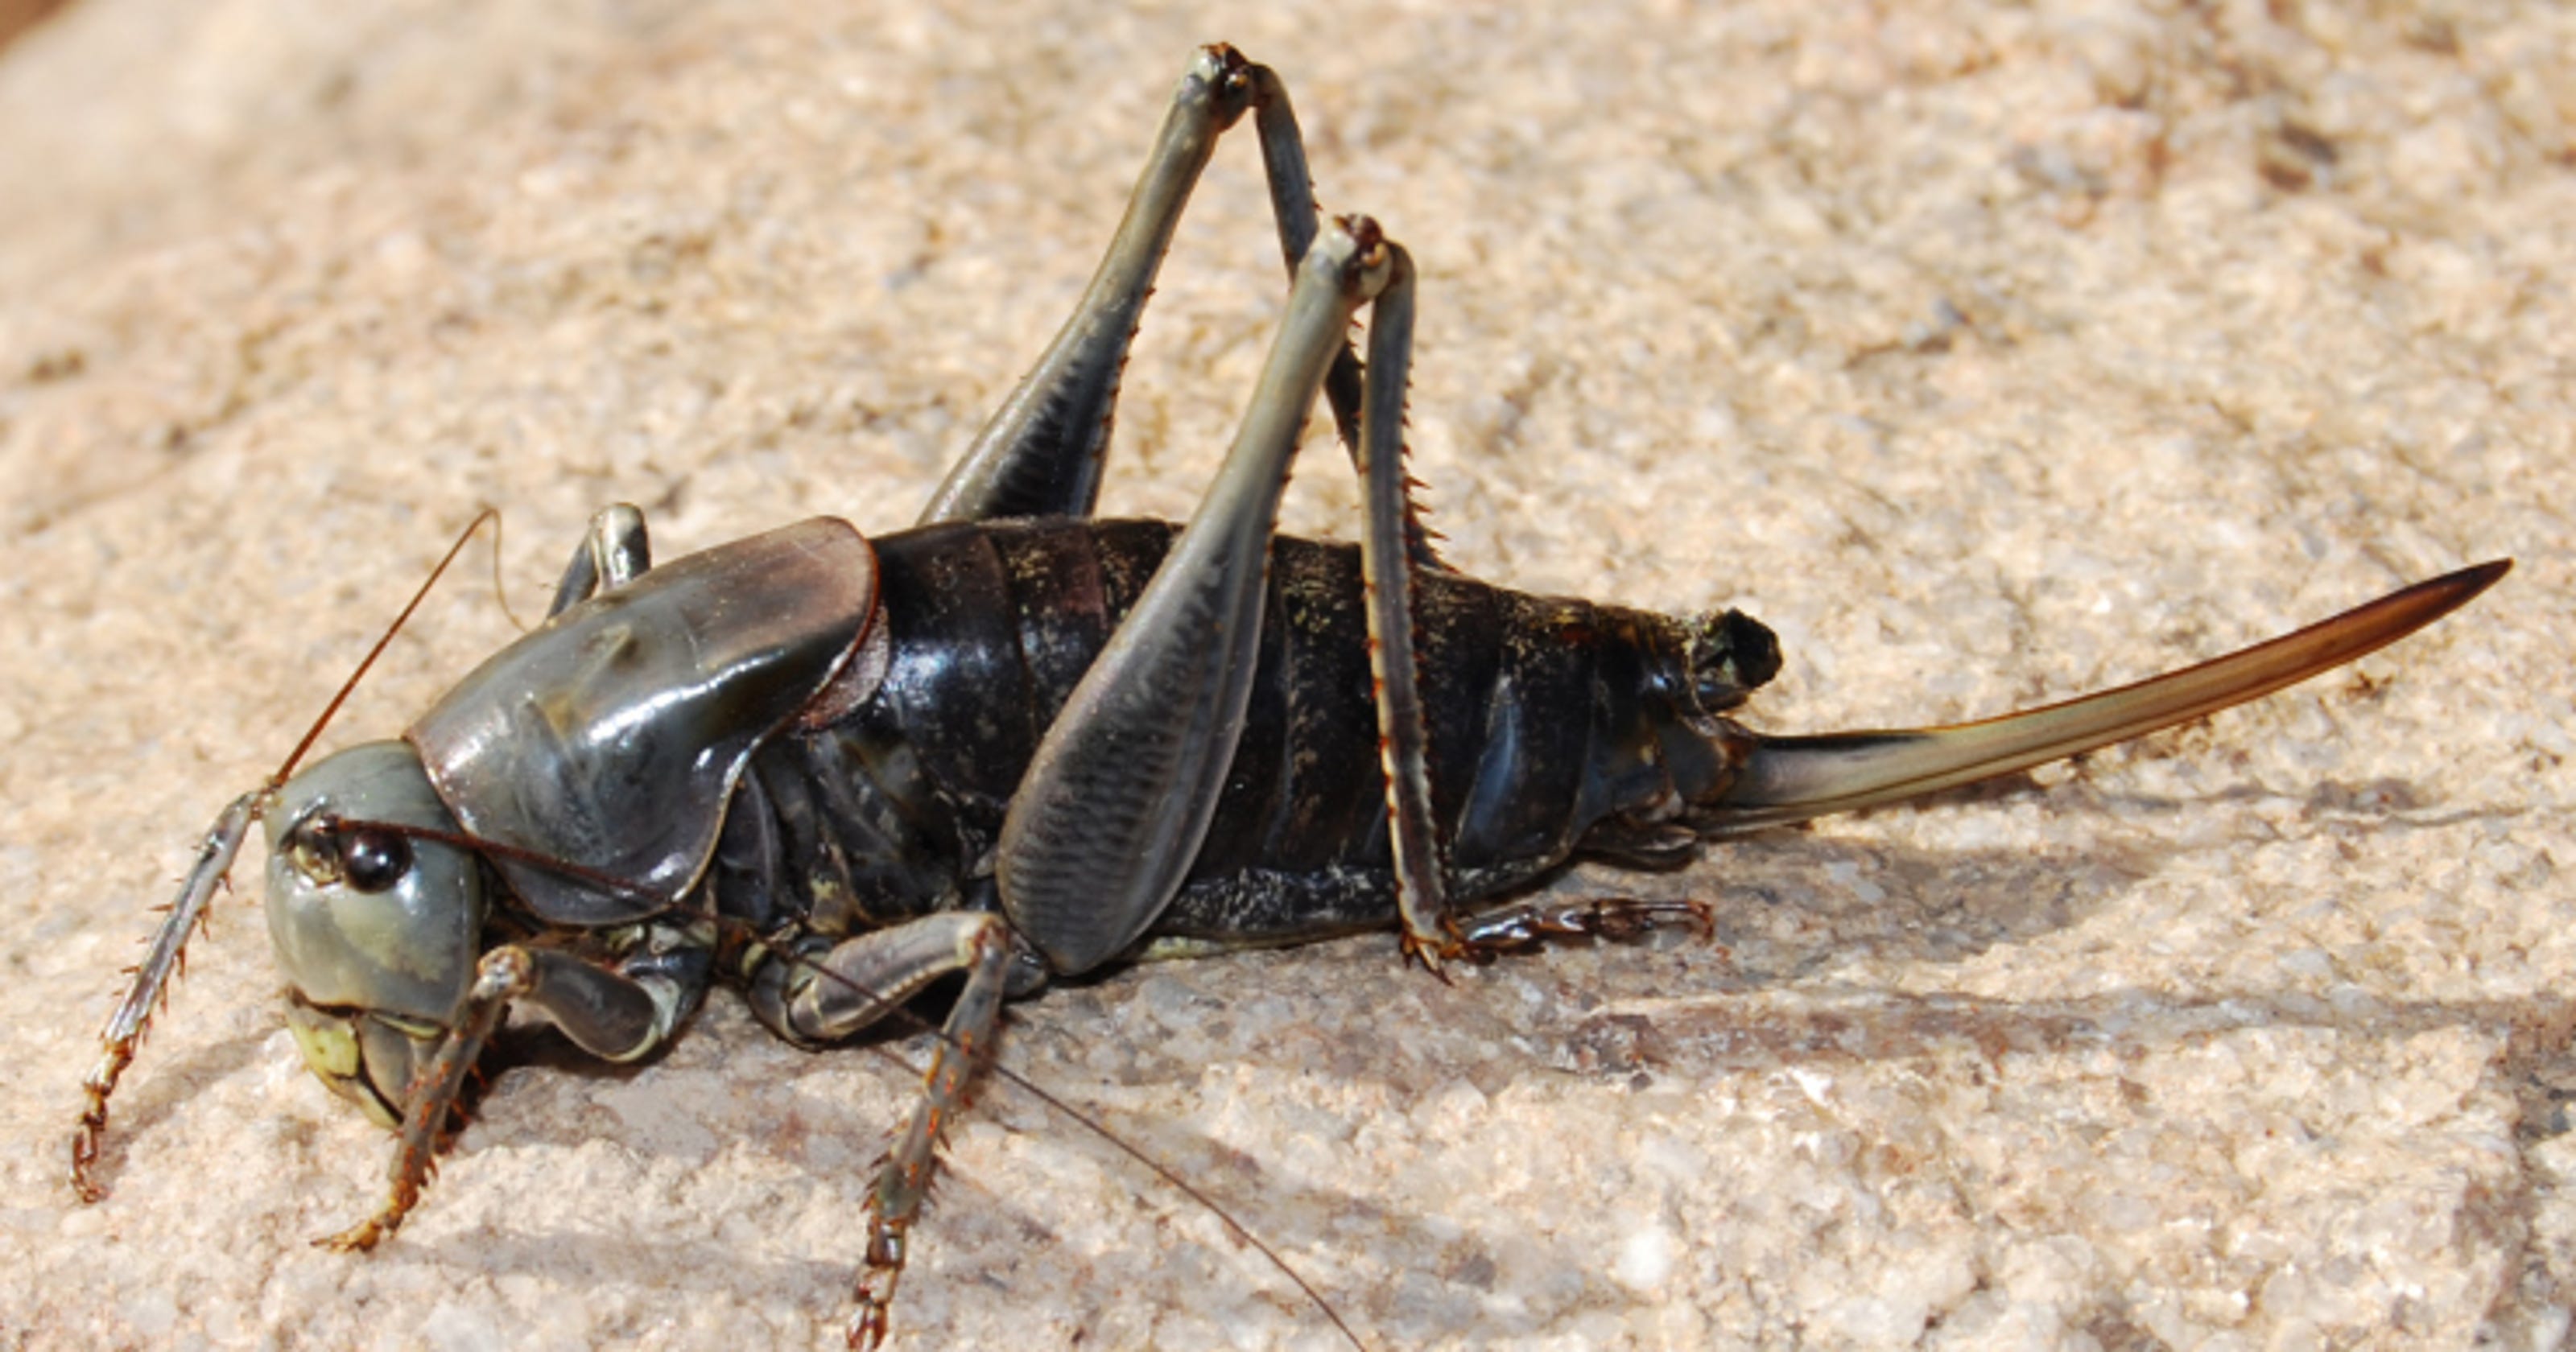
[{"x": 1990, "y": 352}]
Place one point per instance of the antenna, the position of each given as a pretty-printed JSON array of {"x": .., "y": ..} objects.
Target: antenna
[{"x": 166, "y": 955}]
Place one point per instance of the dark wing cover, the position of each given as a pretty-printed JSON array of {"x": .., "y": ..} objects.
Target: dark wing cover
[{"x": 612, "y": 735}]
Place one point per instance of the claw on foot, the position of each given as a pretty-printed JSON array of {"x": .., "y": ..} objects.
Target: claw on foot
[
  {"x": 375, "y": 1229},
  {"x": 1434, "y": 953},
  {"x": 85, "y": 1146},
  {"x": 1519, "y": 927},
  {"x": 876, "y": 1285},
  {"x": 358, "y": 1238},
  {"x": 868, "y": 1328}
]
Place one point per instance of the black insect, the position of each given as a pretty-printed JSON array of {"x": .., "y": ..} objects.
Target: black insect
[{"x": 1017, "y": 742}]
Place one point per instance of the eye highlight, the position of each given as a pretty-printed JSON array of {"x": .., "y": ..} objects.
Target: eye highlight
[{"x": 373, "y": 861}]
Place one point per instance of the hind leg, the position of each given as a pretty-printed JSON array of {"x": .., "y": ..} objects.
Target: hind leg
[
  {"x": 1114, "y": 806},
  {"x": 1041, "y": 454}
]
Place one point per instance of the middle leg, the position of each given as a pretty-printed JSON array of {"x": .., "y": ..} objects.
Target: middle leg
[{"x": 859, "y": 981}]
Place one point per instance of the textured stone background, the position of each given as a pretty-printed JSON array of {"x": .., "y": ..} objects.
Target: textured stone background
[{"x": 1990, "y": 352}]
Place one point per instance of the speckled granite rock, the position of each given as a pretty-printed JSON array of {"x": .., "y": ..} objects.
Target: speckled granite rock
[{"x": 1990, "y": 353}]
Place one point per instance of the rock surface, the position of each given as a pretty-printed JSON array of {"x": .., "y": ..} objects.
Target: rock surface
[{"x": 1991, "y": 353}]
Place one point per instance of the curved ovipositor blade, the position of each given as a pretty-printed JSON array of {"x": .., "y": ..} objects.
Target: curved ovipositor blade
[
  {"x": 612, "y": 735},
  {"x": 1787, "y": 779}
]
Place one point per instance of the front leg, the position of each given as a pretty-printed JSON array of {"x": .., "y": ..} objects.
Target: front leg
[{"x": 620, "y": 1015}]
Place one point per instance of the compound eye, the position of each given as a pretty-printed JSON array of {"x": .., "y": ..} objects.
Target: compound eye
[{"x": 373, "y": 860}]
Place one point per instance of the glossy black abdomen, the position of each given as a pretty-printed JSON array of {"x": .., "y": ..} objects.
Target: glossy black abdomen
[{"x": 1545, "y": 718}]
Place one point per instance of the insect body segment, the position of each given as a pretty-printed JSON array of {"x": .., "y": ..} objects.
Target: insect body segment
[
  {"x": 612, "y": 737},
  {"x": 1017, "y": 742},
  {"x": 1561, "y": 726}
]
